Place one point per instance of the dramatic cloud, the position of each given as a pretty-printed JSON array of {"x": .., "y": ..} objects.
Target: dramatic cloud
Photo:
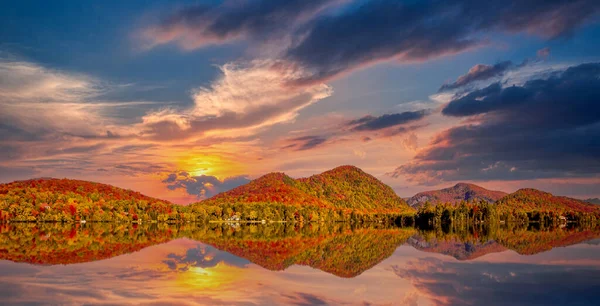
[
  {"x": 203, "y": 186},
  {"x": 371, "y": 123},
  {"x": 460, "y": 283},
  {"x": 363, "y": 129},
  {"x": 482, "y": 72},
  {"x": 479, "y": 72},
  {"x": 544, "y": 128},
  {"x": 422, "y": 30},
  {"x": 327, "y": 42},
  {"x": 206, "y": 24},
  {"x": 40, "y": 103},
  {"x": 245, "y": 97}
]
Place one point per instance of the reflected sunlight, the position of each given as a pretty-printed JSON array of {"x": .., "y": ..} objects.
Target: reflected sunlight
[{"x": 210, "y": 278}]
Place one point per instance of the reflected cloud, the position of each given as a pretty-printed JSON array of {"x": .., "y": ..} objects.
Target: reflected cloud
[
  {"x": 479, "y": 283},
  {"x": 203, "y": 256}
]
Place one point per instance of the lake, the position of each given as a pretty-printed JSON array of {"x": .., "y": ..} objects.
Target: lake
[{"x": 293, "y": 264}]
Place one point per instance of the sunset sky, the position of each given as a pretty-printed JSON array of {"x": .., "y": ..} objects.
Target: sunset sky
[{"x": 184, "y": 99}]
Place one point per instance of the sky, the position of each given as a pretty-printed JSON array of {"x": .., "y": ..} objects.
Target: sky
[{"x": 184, "y": 99}]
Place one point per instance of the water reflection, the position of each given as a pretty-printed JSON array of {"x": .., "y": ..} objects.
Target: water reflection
[{"x": 299, "y": 265}]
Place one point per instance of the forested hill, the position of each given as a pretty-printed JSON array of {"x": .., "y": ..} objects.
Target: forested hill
[
  {"x": 350, "y": 187},
  {"x": 456, "y": 194},
  {"x": 274, "y": 187},
  {"x": 529, "y": 199},
  {"x": 51, "y": 199},
  {"x": 344, "y": 187}
]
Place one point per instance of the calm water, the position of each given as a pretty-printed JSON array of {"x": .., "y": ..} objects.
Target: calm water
[{"x": 287, "y": 264}]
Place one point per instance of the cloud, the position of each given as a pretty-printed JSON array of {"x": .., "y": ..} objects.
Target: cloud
[
  {"x": 543, "y": 53},
  {"x": 327, "y": 42},
  {"x": 38, "y": 103},
  {"x": 371, "y": 123},
  {"x": 460, "y": 283},
  {"x": 482, "y": 72},
  {"x": 479, "y": 72},
  {"x": 203, "y": 256},
  {"x": 77, "y": 149},
  {"x": 305, "y": 142},
  {"x": 24, "y": 81},
  {"x": 304, "y": 299},
  {"x": 362, "y": 129},
  {"x": 423, "y": 30},
  {"x": 203, "y": 186},
  {"x": 411, "y": 142},
  {"x": 136, "y": 168},
  {"x": 246, "y": 97},
  {"x": 208, "y": 24},
  {"x": 545, "y": 128}
]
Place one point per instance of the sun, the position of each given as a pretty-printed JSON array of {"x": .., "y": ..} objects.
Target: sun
[{"x": 199, "y": 172}]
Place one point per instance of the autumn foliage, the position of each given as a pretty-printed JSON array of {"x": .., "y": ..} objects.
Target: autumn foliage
[
  {"x": 64, "y": 200},
  {"x": 345, "y": 193}
]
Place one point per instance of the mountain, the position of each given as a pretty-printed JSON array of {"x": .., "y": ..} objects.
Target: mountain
[
  {"x": 455, "y": 194},
  {"x": 344, "y": 187},
  {"x": 455, "y": 247},
  {"x": 593, "y": 201},
  {"x": 344, "y": 252},
  {"x": 350, "y": 187},
  {"x": 49, "y": 199},
  {"x": 528, "y": 200},
  {"x": 272, "y": 187}
]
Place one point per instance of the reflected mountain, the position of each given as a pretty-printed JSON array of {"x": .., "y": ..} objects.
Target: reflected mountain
[
  {"x": 342, "y": 249},
  {"x": 456, "y": 248},
  {"x": 471, "y": 243}
]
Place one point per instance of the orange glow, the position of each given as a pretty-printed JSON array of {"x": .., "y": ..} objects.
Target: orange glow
[{"x": 210, "y": 278}]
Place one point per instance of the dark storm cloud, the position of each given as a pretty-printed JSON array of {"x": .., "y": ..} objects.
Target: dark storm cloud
[
  {"x": 387, "y": 125},
  {"x": 479, "y": 72},
  {"x": 461, "y": 283},
  {"x": 203, "y": 256},
  {"x": 421, "y": 30},
  {"x": 372, "y": 123},
  {"x": 544, "y": 128},
  {"x": 218, "y": 23},
  {"x": 203, "y": 186}
]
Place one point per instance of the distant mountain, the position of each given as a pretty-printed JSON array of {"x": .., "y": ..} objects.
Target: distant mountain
[
  {"x": 344, "y": 187},
  {"x": 593, "y": 201},
  {"x": 456, "y": 194},
  {"x": 529, "y": 199}
]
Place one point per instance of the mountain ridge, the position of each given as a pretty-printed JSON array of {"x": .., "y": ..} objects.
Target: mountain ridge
[
  {"x": 455, "y": 194},
  {"x": 344, "y": 187}
]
